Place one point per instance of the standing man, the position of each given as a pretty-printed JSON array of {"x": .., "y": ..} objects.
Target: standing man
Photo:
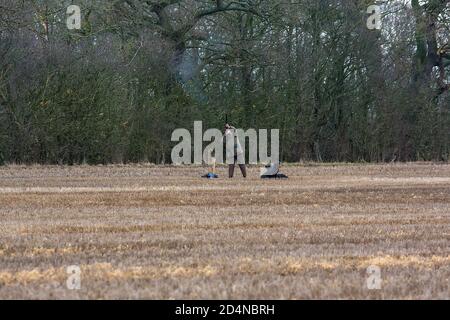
[{"x": 234, "y": 149}]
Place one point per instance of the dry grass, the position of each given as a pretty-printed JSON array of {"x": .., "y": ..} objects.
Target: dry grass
[{"x": 162, "y": 232}]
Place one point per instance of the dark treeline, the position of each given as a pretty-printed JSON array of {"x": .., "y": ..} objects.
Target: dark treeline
[{"x": 115, "y": 90}]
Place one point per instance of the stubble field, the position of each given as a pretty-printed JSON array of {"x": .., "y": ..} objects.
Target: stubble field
[{"x": 164, "y": 233}]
